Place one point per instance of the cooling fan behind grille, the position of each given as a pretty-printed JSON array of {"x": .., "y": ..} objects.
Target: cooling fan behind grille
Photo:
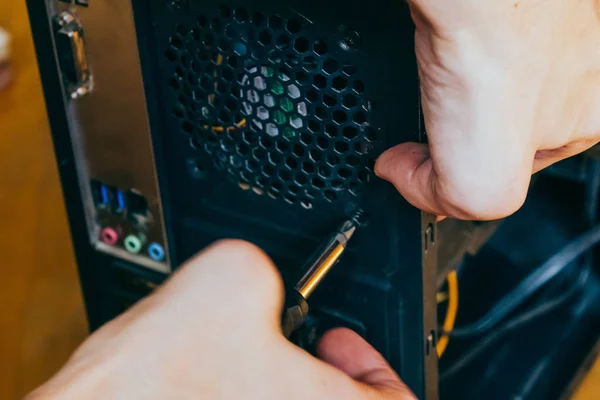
[{"x": 271, "y": 107}]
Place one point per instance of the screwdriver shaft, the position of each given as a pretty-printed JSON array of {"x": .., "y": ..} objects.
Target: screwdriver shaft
[{"x": 318, "y": 270}]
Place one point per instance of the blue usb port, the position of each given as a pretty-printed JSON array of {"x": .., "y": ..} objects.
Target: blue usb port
[
  {"x": 119, "y": 201},
  {"x": 100, "y": 194},
  {"x": 104, "y": 196}
]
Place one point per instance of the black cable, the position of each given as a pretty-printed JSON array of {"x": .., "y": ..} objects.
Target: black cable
[
  {"x": 531, "y": 284},
  {"x": 592, "y": 192},
  {"x": 515, "y": 323}
]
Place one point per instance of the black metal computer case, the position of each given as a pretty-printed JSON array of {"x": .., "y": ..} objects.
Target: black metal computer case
[
  {"x": 177, "y": 123},
  {"x": 180, "y": 122}
]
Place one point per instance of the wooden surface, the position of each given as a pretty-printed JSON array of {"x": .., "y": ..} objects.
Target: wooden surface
[{"x": 43, "y": 320}]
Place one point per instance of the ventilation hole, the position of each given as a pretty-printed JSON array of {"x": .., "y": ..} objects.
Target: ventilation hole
[
  {"x": 339, "y": 116},
  {"x": 321, "y": 112},
  {"x": 306, "y": 138},
  {"x": 275, "y": 22},
  {"x": 298, "y": 150},
  {"x": 350, "y": 132},
  {"x": 301, "y": 45},
  {"x": 310, "y": 63},
  {"x": 325, "y": 171},
  {"x": 322, "y": 143},
  {"x": 282, "y": 146},
  {"x": 329, "y": 100},
  {"x": 333, "y": 159},
  {"x": 320, "y": 82},
  {"x": 318, "y": 182},
  {"x": 264, "y": 38},
  {"x": 331, "y": 130},
  {"x": 339, "y": 83},
  {"x": 315, "y": 155},
  {"x": 308, "y": 167},
  {"x": 291, "y": 162},
  {"x": 293, "y": 26},
  {"x": 320, "y": 47},
  {"x": 359, "y": 117},
  {"x": 277, "y": 186},
  {"x": 283, "y": 41},
  {"x": 259, "y": 154},
  {"x": 330, "y": 66},
  {"x": 293, "y": 189},
  {"x": 275, "y": 158},
  {"x": 350, "y": 101},
  {"x": 289, "y": 198},
  {"x": 301, "y": 179},
  {"x": 271, "y": 107},
  {"x": 330, "y": 195},
  {"x": 312, "y": 96},
  {"x": 314, "y": 126},
  {"x": 352, "y": 160},
  {"x": 265, "y": 142},
  {"x": 302, "y": 77},
  {"x": 285, "y": 175},
  {"x": 341, "y": 147},
  {"x": 344, "y": 173},
  {"x": 268, "y": 170},
  {"x": 359, "y": 86}
]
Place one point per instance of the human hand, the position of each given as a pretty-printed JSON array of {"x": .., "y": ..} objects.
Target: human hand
[
  {"x": 509, "y": 87},
  {"x": 213, "y": 331}
]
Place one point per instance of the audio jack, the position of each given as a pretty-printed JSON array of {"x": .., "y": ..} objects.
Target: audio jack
[{"x": 318, "y": 266}]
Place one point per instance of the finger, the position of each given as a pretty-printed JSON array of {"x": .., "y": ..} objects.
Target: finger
[
  {"x": 232, "y": 281},
  {"x": 348, "y": 352},
  {"x": 460, "y": 185}
]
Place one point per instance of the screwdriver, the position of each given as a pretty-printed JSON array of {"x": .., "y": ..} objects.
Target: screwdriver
[{"x": 317, "y": 267}]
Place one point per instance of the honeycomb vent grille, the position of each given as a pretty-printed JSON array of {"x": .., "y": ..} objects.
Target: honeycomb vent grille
[{"x": 271, "y": 107}]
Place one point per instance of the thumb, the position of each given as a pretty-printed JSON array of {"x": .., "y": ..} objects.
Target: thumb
[
  {"x": 350, "y": 353},
  {"x": 458, "y": 182}
]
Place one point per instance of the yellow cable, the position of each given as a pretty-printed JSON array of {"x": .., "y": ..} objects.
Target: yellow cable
[
  {"x": 211, "y": 99},
  {"x": 450, "y": 313}
]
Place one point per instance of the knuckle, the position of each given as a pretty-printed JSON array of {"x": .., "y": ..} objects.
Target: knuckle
[
  {"x": 247, "y": 264},
  {"x": 483, "y": 200},
  {"x": 225, "y": 268}
]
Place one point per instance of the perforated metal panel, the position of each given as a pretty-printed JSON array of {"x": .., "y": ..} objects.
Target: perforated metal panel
[{"x": 272, "y": 107}]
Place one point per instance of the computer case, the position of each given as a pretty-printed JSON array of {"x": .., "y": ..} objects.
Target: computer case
[
  {"x": 177, "y": 123},
  {"x": 180, "y": 122}
]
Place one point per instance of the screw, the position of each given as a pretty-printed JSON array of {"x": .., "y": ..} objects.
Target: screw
[{"x": 349, "y": 39}]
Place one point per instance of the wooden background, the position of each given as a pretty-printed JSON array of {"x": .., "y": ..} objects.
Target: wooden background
[{"x": 42, "y": 320}]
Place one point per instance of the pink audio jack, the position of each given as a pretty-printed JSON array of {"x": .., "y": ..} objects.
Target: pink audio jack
[{"x": 109, "y": 236}]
